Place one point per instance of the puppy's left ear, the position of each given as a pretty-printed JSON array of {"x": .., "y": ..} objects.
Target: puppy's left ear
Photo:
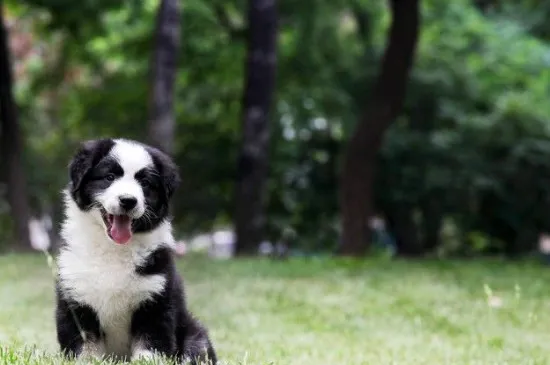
[{"x": 168, "y": 170}]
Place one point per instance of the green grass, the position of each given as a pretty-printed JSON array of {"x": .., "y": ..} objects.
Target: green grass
[{"x": 323, "y": 311}]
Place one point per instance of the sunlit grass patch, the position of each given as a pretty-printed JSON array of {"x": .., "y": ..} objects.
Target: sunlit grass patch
[{"x": 325, "y": 311}]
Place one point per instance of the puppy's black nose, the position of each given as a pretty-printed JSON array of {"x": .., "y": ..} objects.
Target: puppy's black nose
[{"x": 127, "y": 202}]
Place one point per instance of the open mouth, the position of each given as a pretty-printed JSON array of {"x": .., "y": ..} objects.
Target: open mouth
[{"x": 119, "y": 227}]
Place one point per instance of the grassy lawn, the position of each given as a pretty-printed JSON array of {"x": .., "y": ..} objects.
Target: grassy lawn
[{"x": 317, "y": 312}]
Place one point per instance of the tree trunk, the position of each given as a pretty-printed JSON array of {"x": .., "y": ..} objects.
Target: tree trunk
[
  {"x": 163, "y": 76},
  {"x": 11, "y": 147},
  {"x": 432, "y": 220},
  {"x": 485, "y": 5},
  {"x": 356, "y": 199},
  {"x": 405, "y": 231},
  {"x": 253, "y": 159}
]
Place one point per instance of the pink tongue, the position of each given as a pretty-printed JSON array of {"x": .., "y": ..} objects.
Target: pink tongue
[{"x": 121, "y": 229}]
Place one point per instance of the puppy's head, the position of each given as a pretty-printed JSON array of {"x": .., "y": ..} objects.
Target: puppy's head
[{"x": 127, "y": 184}]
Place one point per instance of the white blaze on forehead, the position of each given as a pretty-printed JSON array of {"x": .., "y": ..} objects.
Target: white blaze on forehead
[{"x": 132, "y": 157}]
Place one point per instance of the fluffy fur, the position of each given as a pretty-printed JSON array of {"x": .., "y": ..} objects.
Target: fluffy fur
[{"x": 122, "y": 300}]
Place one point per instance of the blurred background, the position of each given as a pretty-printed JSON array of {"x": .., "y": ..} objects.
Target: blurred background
[{"x": 300, "y": 127}]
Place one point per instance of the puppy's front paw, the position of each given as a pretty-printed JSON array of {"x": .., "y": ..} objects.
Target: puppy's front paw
[
  {"x": 91, "y": 351},
  {"x": 143, "y": 354}
]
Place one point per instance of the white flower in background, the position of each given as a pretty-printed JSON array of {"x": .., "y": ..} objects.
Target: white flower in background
[
  {"x": 40, "y": 239},
  {"x": 544, "y": 243}
]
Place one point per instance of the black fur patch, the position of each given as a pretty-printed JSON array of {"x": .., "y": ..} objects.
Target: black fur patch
[
  {"x": 159, "y": 184},
  {"x": 156, "y": 203},
  {"x": 167, "y": 170},
  {"x": 164, "y": 323},
  {"x": 71, "y": 318},
  {"x": 158, "y": 262},
  {"x": 86, "y": 158}
]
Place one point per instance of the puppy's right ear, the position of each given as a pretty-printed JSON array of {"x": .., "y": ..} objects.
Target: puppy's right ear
[{"x": 87, "y": 156}]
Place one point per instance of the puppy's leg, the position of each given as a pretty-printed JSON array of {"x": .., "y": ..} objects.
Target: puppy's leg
[
  {"x": 78, "y": 331},
  {"x": 153, "y": 330},
  {"x": 197, "y": 346}
]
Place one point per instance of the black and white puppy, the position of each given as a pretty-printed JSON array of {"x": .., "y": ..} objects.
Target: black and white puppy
[{"x": 118, "y": 292}]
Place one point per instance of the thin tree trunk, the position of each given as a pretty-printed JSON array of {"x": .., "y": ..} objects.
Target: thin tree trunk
[
  {"x": 406, "y": 232},
  {"x": 431, "y": 222},
  {"x": 253, "y": 160},
  {"x": 163, "y": 76},
  {"x": 11, "y": 147},
  {"x": 356, "y": 198},
  {"x": 485, "y": 5}
]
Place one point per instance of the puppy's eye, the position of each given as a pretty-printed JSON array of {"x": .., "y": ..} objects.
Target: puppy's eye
[
  {"x": 110, "y": 177},
  {"x": 145, "y": 184}
]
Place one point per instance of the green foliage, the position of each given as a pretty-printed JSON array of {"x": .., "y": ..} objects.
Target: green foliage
[
  {"x": 474, "y": 137},
  {"x": 470, "y": 148}
]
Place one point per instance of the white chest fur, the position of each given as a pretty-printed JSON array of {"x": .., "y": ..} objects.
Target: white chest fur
[{"x": 110, "y": 285}]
